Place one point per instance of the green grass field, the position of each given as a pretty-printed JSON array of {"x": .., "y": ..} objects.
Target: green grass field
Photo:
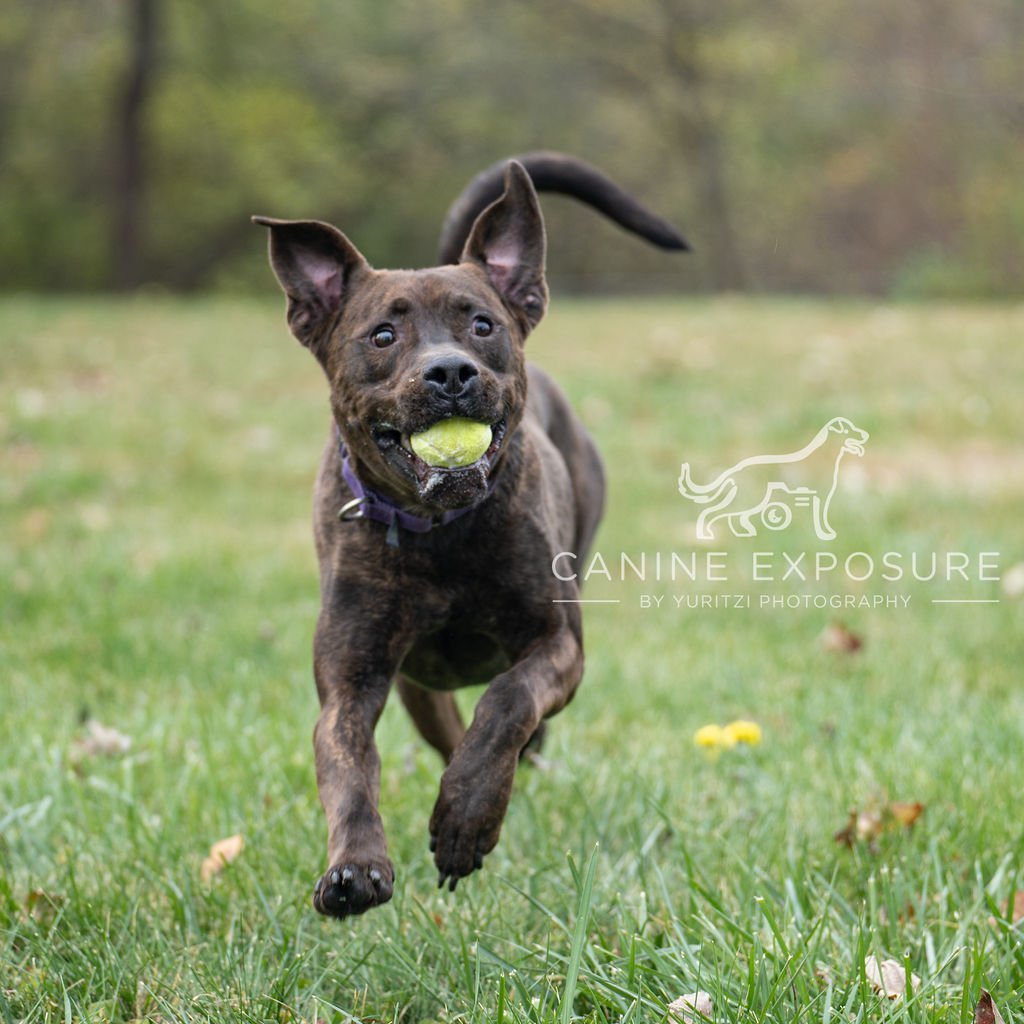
[{"x": 157, "y": 576}]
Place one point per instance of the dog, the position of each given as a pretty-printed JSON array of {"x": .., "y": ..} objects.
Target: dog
[
  {"x": 432, "y": 579},
  {"x": 740, "y": 493}
]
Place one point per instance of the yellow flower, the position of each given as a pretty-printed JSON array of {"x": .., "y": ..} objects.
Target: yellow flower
[
  {"x": 742, "y": 731},
  {"x": 712, "y": 737}
]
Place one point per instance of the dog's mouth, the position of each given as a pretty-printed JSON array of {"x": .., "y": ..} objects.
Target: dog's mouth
[
  {"x": 440, "y": 486},
  {"x": 856, "y": 447}
]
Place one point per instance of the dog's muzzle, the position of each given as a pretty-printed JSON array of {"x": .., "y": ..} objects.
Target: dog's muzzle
[{"x": 440, "y": 487}]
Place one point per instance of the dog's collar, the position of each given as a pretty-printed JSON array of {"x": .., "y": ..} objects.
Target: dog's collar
[{"x": 368, "y": 504}]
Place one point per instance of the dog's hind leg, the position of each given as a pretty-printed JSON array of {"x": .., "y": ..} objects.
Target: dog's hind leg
[
  {"x": 438, "y": 720},
  {"x": 435, "y": 714},
  {"x": 582, "y": 459}
]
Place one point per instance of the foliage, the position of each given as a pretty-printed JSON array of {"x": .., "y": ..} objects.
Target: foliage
[{"x": 845, "y": 147}]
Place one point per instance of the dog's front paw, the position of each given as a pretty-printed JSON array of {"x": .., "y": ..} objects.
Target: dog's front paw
[
  {"x": 460, "y": 837},
  {"x": 351, "y": 888}
]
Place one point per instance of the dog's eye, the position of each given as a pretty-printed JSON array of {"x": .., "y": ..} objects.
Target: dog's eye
[
  {"x": 483, "y": 327},
  {"x": 384, "y": 336}
]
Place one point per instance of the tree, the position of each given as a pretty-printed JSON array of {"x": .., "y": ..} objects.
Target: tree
[
  {"x": 128, "y": 176},
  {"x": 660, "y": 52}
]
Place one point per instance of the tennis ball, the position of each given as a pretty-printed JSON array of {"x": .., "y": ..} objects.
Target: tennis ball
[{"x": 452, "y": 443}]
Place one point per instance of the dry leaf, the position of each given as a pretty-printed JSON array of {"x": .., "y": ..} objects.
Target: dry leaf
[
  {"x": 906, "y": 813},
  {"x": 889, "y": 977},
  {"x": 860, "y": 827},
  {"x": 43, "y": 907},
  {"x": 691, "y": 1008},
  {"x": 847, "y": 835},
  {"x": 100, "y": 740},
  {"x": 869, "y": 826},
  {"x": 865, "y": 826},
  {"x": 835, "y": 637},
  {"x": 222, "y": 853},
  {"x": 1013, "y": 581},
  {"x": 986, "y": 1012},
  {"x": 1018, "y": 908},
  {"x": 1014, "y": 914}
]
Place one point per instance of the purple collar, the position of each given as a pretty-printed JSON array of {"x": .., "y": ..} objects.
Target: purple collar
[{"x": 368, "y": 504}]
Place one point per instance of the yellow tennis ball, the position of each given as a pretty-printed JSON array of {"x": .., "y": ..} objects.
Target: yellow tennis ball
[{"x": 452, "y": 443}]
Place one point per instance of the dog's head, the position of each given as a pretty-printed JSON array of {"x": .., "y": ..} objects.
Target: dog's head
[{"x": 403, "y": 349}]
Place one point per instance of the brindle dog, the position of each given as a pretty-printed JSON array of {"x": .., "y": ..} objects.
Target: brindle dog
[{"x": 435, "y": 579}]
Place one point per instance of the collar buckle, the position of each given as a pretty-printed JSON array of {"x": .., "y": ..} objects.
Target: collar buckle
[{"x": 352, "y": 510}]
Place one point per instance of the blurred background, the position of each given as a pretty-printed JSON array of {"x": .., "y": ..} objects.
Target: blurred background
[{"x": 861, "y": 147}]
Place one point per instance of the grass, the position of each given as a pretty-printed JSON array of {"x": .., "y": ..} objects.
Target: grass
[{"x": 158, "y": 577}]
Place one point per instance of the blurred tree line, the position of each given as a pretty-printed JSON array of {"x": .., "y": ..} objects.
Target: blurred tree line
[{"x": 864, "y": 146}]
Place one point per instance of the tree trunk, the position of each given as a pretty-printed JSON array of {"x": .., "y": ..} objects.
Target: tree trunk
[
  {"x": 724, "y": 263},
  {"x": 127, "y": 235},
  {"x": 684, "y": 22}
]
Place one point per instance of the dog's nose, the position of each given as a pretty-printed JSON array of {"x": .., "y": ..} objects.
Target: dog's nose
[{"x": 451, "y": 376}]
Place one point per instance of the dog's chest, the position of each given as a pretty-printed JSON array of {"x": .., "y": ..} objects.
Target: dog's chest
[
  {"x": 454, "y": 657},
  {"x": 466, "y": 637}
]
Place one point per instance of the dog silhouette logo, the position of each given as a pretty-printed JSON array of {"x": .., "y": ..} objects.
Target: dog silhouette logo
[{"x": 754, "y": 492}]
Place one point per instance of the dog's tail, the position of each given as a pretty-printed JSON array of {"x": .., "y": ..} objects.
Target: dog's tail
[
  {"x": 700, "y": 493},
  {"x": 554, "y": 172}
]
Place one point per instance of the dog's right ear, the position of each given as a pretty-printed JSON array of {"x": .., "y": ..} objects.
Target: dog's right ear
[{"x": 316, "y": 265}]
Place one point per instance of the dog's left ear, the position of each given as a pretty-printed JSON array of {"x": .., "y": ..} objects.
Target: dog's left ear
[{"x": 508, "y": 241}]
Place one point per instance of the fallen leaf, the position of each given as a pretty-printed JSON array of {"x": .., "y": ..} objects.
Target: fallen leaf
[
  {"x": 222, "y": 853},
  {"x": 860, "y": 827},
  {"x": 43, "y": 907},
  {"x": 868, "y": 826},
  {"x": 1018, "y": 908},
  {"x": 847, "y": 835},
  {"x": 100, "y": 740},
  {"x": 691, "y": 1008},
  {"x": 986, "y": 1012},
  {"x": 865, "y": 826},
  {"x": 908, "y": 913},
  {"x": 889, "y": 977},
  {"x": 836, "y": 638},
  {"x": 1014, "y": 914},
  {"x": 1013, "y": 581},
  {"x": 906, "y": 813}
]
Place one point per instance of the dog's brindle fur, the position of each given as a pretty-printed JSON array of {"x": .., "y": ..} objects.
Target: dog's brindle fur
[{"x": 472, "y": 601}]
